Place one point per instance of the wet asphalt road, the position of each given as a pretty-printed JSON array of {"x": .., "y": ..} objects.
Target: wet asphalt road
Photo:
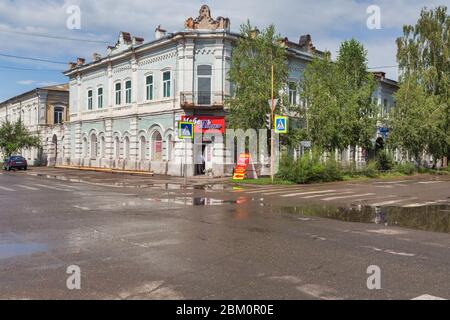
[{"x": 252, "y": 243}]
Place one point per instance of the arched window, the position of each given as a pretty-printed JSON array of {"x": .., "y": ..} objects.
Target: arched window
[
  {"x": 102, "y": 147},
  {"x": 85, "y": 148},
  {"x": 94, "y": 146},
  {"x": 169, "y": 147},
  {"x": 156, "y": 146},
  {"x": 126, "y": 148},
  {"x": 117, "y": 148},
  {"x": 142, "y": 148}
]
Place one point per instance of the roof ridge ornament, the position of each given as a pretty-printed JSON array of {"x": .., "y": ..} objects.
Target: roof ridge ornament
[{"x": 205, "y": 22}]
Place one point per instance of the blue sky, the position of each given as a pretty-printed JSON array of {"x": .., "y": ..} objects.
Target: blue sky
[{"x": 328, "y": 21}]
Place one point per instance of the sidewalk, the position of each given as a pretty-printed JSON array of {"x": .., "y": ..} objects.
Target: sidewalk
[{"x": 121, "y": 179}]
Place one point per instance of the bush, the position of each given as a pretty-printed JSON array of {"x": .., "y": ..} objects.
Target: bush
[
  {"x": 385, "y": 161},
  {"x": 308, "y": 169},
  {"x": 406, "y": 168},
  {"x": 370, "y": 170}
]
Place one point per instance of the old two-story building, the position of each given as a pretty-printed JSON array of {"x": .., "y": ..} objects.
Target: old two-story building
[
  {"x": 125, "y": 107},
  {"x": 44, "y": 112}
]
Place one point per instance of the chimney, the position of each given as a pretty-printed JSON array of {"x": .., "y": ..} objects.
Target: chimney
[
  {"x": 137, "y": 41},
  {"x": 160, "y": 33},
  {"x": 96, "y": 57},
  {"x": 125, "y": 38},
  {"x": 72, "y": 65},
  {"x": 380, "y": 74},
  {"x": 80, "y": 61}
]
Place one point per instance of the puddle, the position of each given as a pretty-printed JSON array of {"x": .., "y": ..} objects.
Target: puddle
[
  {"x": 11, "y": 250},
  {"x": 198, "y": 201},
  {"x": 430, "y": 218}
]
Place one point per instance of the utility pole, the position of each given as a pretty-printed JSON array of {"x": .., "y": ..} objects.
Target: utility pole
[{"x": 272, "y": 140}]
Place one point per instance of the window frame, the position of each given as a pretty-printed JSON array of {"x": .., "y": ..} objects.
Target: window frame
[
  {"x": 118, "y": 93},
  {"x": 90, "y": 99},
  {"x": 58, "y": 110},
  {"x": 100, "y": 97},
  {"x": 167, "y": 84},
  {"x": 149, "y": 88},
  {"x": 128, "y": 92}
]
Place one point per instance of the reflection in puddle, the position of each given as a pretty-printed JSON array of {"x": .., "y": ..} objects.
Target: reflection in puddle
[
  {"x": 11, "y": 250},
  {"x": 429, "y": 218},
  {"x": 198, "y": 201}
]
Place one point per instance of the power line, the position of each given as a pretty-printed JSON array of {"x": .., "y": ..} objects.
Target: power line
[
  {"x": 383, "y": 67},
  {"x": 29, "y": 58},
  {"x": 29, "y": 69},
  {"x": 42, "y": 35}
]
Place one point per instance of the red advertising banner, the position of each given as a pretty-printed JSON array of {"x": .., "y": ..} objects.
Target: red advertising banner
[{"x": 204, "y": 124}]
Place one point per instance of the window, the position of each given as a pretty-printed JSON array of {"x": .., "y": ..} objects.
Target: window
[
  {"x": 157, "y": 146},
  {"x": 100, "y": 98},
  {"x": 118, "y": 94},
  {"x": 142, "y": 148},
  {"x": 166, "y": 84},
  {"x": 128, "y": 92},
  {"x": 117, "y": 148},
  {"x": 385, "y": 107},
  {"x": 149, "y": 87},
  {"x": 292, "y": 90},
  {"x": 85, "y": 148},
  {"x": 90, "y": 93},
  {"x": 126, "y": 148},
  {"x": 58, "y": 113},
  {"x": 102, "y": 147},
  {"x": 204, "y": 74},
  {"x": 94, "y": 147},
  {"x": 169, "y": 148}
]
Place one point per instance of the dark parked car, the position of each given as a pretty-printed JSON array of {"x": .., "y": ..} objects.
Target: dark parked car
[{"x": 15, "y": 162}]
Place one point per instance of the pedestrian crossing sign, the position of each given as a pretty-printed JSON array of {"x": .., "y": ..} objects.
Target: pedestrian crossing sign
[
  {"x": 185, "y": 130},
  {"x": 281, "y": 124}
]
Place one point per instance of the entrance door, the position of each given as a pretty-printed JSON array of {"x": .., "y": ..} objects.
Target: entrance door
[{"x": 208, "y": 155}]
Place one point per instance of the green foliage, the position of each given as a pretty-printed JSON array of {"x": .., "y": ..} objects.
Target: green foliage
[
  {"x": 339, "y": 97},
  {"x": 308, "y": 169},
  {"x": 385, "y": 161},
  {"x": 370, "y": 170},
  {"x": 423, "y": 53},
  {"x": 406, "y": 168},
  {"x": 250, "y": 75},
  {"x": 15, "y": 137}
]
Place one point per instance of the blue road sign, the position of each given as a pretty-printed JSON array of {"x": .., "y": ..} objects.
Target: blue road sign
[
  {"x": 281, "y": 124},
  {"x": 186, "y": 130}
]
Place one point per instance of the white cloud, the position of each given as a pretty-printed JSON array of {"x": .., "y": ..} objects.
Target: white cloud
[
  {"x": 328, "y": 21},
  {"x": 26, "y": 82}
]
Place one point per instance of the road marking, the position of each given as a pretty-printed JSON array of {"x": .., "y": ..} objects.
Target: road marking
[
  {"x": 403, "y": 254},
  {"x": 429, "y": 182},
  {"x": 279, "y": 190},
  {"x": 428, "y": 297},
  {"x": 347, "y": 197},
  {"x": 391, "y": 182},
  {"x": 50, "y": 187},
  {"x": 306, "y": 193},
  {"x": 423, "y": 204},
  {"x": 329, "y": 194},
  {"x": 386, "y": 203},
  {"x": 6, "y": 189},
  {"x": 27, "y": 187}
]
